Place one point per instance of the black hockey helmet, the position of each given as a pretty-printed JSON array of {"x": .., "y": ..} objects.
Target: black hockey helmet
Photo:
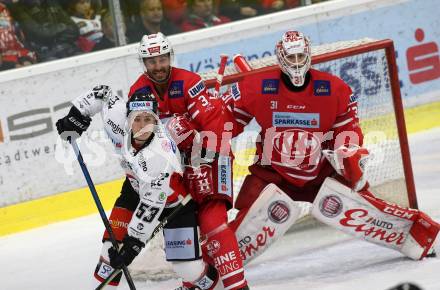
[{"x": 142, "y": 101}]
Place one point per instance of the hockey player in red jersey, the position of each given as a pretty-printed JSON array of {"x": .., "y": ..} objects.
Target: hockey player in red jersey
[
  {"x": 191, "y": 112},
  {"x": 310, "y": 149}
]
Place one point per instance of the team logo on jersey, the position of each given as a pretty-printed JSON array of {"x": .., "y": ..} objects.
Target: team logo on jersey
[
  {"x": 330, "y": 206},
  {"x": 278, "y": 211},
  {"x": 175, "y": 90},
  {"x": 270, "y": 86},
  {"x": 321, "y": 88},
  {"x": 213, "y": 247},
  {"x": 235, "y": 90},
  {"x": 300, "y": 120},
  {"x": 297, "y": 149},
  {"x": 196, "y": 89}
]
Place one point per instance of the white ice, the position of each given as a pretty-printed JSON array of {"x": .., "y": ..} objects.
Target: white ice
[{"x": 63, "y": 255}]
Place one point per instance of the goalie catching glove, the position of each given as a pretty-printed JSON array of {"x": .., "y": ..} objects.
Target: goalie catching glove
[
  {"x": 130, "y": 249},
  {"x": 350, "y": 162}
]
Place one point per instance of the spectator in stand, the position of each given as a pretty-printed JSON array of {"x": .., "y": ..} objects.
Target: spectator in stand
[
  {"x": 88, "y": 22},
  {"x": 175, "y": 10},
  {"x": 151, "y": 21},
  {"x": 238, "y": 9},
  {"x": 47, "y": 27},
  {"x": 13, "y": 54},
  {"x": 270, "y": 6},
  {"x": 201, "y": 15},
  {"x": 109, "y": 39}
]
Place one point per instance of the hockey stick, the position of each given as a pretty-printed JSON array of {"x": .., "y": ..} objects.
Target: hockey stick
[
  {"x": 158, "y": 228},
  {"x": 220, "y": 73},
  {"x": 99, "y": 206}
]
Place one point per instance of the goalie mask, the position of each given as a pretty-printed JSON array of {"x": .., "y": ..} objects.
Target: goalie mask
[
  {"x": 294, "y": 56},
  {"x": 156, "y": 56}
]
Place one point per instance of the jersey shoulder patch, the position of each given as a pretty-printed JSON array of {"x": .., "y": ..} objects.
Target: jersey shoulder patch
[
  {"x": 175, "y": 90},
  {"x": 270, "y": 86},
  {"x": 321, "y": 88},
  {"x": 196, "y": 89},
  {"x": 235, "y": 92}
]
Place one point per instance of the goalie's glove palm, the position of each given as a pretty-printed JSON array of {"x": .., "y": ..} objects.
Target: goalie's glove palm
[{"x": 130, "y": 249}]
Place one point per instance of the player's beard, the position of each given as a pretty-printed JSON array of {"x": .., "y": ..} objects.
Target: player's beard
[{"x": 160, "y": 76}]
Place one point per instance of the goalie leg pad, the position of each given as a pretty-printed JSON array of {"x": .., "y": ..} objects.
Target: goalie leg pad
[
  {"x": 249, "y": 192},
  {"x": 269, "y": 217},
  {"x": 362, "y": 215},
  {"x": 421, "y": 238}
]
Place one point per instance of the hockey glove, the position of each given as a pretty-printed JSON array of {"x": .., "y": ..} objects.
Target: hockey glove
[
  {"x": 181, "y": 131},
  {"x": 198, "y": 181},
  {"x": 350, "y": 162},
  {"x": 74, "y": 121},
  {"x": 130, "y": 249}
]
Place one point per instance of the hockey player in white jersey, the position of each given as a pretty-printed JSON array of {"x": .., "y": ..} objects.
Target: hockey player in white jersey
[{"x": 152, "y": 187}]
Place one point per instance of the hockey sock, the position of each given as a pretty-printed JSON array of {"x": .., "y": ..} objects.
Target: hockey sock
[{"x": 221, "y": 244}]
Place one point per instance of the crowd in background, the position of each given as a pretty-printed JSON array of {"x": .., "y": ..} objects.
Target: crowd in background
[{"x": 33, "y": 31}]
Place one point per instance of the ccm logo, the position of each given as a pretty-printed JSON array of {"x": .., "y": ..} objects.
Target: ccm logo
[{"x": 398, "y": 212}]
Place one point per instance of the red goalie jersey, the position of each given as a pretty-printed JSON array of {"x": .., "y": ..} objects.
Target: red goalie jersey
[{"x": 297, "y": 122}]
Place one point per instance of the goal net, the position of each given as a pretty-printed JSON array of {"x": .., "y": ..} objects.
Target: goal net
[{"x": 369, "y": 67}]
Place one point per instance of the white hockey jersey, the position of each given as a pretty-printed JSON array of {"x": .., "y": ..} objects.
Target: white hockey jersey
[{"x": 148, "y": 170}]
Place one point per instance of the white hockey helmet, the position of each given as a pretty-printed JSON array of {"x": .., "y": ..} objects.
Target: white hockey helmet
[
  {"x": 294, "y": 56},
  {"x": 154, "y": 45}
]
